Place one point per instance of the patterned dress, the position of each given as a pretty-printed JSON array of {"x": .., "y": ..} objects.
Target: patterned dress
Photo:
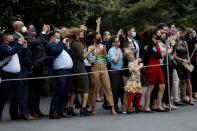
[{"x": 134, "y": 84}]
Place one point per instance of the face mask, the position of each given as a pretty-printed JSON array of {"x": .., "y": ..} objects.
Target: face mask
[
  {"x": 163, "y": 38},
  {"x": 98, "y": 41},
  {"x": 11, "y": 42},
  {"x": 81, "y": 39},
  {"x": 133, "y": 34},
  {"x": 57, "y": 41},
  {"x": 158, "y": 37},
  {"x": 24, "y": 29}
]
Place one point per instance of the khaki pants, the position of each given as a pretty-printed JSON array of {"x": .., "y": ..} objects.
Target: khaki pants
[
  {"x": 126, "y": 95},
  {"x": 183, "y": 89},
  {"x": 96, "y": 78},
  {"x": 175, "y": 86}
]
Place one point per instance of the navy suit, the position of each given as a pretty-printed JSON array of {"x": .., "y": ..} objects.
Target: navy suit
[
  {"x": 17, "y": 101},
  {"x": 60, "y": 94},
  {"x": 25, "y": 63},
  {"x": 37, "y": 47}
]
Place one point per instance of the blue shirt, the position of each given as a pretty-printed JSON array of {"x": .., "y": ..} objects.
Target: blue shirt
[{"x": 112, "y": 55}]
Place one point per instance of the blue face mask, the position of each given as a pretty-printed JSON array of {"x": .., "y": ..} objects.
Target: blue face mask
[
  {"x": 57, "y": 41},
  {"x": 133, "y": 34}
]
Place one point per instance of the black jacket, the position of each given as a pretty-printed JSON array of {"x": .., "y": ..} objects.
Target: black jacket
[{"x": 37, "y": 47}]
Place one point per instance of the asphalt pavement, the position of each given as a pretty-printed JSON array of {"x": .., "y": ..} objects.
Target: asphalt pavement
[{"x": 183, "y": 119}]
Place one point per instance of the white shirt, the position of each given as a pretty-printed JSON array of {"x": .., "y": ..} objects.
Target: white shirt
[
  {"x": 136, "y": 47},
  {"x": 63, "y": 61},
  {"x": 13, "y": 66},
  {"x": 162, "y": 47}
]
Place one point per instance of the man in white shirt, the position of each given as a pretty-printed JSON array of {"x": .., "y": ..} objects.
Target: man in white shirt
[
  {"x": 62, "y": 65},
  {"x": 9, "y": 47}
]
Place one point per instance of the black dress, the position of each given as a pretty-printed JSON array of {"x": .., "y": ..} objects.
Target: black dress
[
  {"x": 191, "y": 41},
  {"x": 80, "y": 83},
  {"x": 183, "y": 73}
]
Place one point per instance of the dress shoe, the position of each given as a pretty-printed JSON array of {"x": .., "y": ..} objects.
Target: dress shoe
[
  {"x": 63, "y": 115},
  {"x": 179, "y": 103},
  {"x": 26, "y": 118},
  {"x": 54, "y": 116},
  {"x": 40, "y": 114}
]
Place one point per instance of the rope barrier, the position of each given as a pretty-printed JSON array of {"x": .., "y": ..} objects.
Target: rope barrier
[{"x": 49, "y": 77}]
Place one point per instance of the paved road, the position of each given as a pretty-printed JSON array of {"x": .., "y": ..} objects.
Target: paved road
[{"x": 183, "y": 119}]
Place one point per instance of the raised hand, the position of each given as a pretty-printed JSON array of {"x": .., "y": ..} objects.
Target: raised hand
[
  {"x": 83, "y": 27},
  {"x": 98, "y": 21},
  {"x": 21, "y": 41},
  {"x": 46, "y": 28}
]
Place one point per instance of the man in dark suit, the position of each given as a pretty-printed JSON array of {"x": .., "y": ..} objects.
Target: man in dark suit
[
  {"x": 37, "y": 46},
  {"x": 12, "y": 70},
  {"x": 26, "y": 65}
]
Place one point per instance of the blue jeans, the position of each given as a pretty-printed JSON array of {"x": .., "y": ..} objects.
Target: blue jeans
[{"x": 60, "y": 94}]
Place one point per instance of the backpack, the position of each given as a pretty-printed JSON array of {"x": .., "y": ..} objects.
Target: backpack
[{"x": 5, "y": 61}]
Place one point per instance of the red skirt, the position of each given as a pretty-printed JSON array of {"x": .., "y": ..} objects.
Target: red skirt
[{"x": 154, "y": 76}]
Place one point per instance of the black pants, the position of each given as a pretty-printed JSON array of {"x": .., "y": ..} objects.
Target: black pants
[
  {"x": 35, "y": 90},
  {"x": 117, "y": 86},
  {"x": 17, "y": 100},
  {"x": 24, "y": 89},
  {"x": 166, "y": 96}
]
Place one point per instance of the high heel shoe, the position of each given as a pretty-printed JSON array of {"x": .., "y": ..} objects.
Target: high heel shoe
[
  {"x": 84, "y": 112},
  {"x": 191, "y": 102},
  {"x": 70, "y": 111},
  {"x": 194, "y": 97}
]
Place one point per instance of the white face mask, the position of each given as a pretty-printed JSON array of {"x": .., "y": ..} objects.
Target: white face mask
[{"x": 24, "y": 29}]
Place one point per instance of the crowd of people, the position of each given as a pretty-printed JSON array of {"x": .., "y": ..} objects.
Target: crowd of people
[{"x": 109, "y": 69}]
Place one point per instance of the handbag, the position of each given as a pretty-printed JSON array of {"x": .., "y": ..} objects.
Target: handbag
[{"x": 188, "y": 66}]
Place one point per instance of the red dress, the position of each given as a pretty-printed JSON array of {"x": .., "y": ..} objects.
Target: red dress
[{"x": 154, "y": 75}]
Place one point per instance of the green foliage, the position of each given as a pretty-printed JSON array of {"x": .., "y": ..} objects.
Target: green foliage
[{"x": 115, "y": 13}]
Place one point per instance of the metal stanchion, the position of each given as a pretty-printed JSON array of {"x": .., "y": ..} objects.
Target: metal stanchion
[{"x": 168, "y": 78}]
